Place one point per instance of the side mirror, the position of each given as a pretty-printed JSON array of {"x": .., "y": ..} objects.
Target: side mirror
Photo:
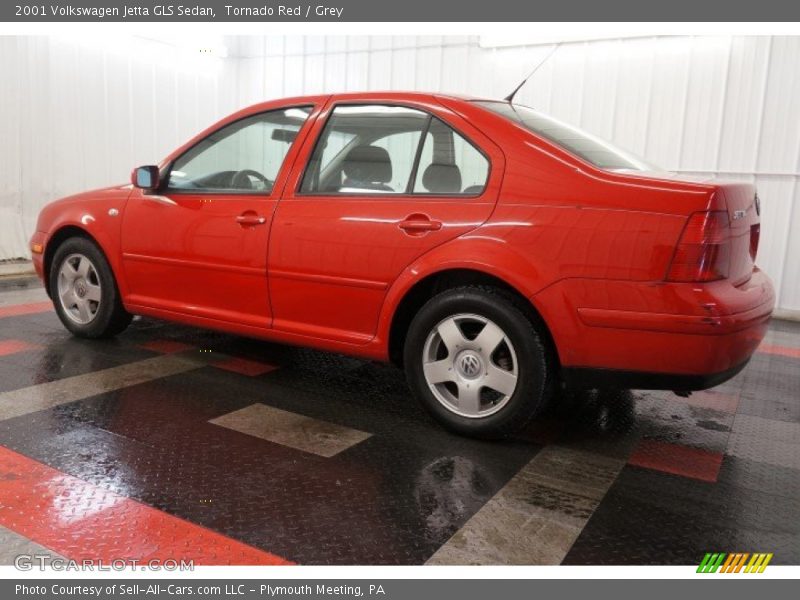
[
  {"x": 284, "y": 135},
  {"x": 145, "y": 178}
]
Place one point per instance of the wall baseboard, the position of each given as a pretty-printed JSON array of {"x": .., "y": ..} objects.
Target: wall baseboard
[
  {"x": 14, "y": 268},
  {"x": 785, "y": 314}
]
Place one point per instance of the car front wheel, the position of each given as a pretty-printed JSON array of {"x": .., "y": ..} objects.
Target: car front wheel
[
  {"x": 84, "y": 292},
  {"x": 476, "y": 362}
]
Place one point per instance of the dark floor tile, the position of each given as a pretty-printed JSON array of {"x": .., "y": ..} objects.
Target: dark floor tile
[
  {"x": 685, "y": 424},
  {"x": 785, "y": 325},
  {"x": 766, "y": 407},
  {"x": 654, "y": 518},
  {"x": 61, "y": 358},
  {"x": 760, "y": 477},
  {"x": 771, "y": 378}
]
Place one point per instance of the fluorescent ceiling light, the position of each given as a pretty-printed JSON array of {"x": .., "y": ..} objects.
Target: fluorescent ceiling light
[
  {"x": 210, "y": 46},
  {"x": 540, "y": 39}
]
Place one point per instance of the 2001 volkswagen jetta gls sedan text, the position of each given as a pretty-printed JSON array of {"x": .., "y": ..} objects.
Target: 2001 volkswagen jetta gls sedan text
[{"x": 493, "y": 252}]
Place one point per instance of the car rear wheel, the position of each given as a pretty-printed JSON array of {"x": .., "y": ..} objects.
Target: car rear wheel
[
  {"x": 476, "y": 362},
  {"x": 84, "y": 292}
]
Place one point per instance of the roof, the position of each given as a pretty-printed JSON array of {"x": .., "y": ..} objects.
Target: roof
[{"x": 377, "y": 95}]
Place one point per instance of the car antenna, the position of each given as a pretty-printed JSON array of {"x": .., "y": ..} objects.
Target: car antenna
[{"x": 510, "y": 97}]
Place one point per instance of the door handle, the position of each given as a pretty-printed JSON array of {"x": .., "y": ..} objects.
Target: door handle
[
  {"x": 250, "y": 219},
  {"x": 419, "y": 224}
]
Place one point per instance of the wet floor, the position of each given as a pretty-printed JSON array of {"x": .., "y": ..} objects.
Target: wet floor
[{"x": 171, "y": 440}]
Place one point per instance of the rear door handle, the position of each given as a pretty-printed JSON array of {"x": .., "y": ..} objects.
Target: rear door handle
[
  {"x": 250, "y": 219},
  {"x": 419, "y": 224}
]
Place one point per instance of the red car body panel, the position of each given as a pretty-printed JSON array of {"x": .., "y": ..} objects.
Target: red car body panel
[
  {"x": 347, "y": 252},
  {"x": 590, "y": 249},
  {"x": 89, "y": 212}
]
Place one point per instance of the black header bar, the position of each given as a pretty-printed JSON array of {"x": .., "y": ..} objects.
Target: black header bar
[{"x": 285, "y": 11}]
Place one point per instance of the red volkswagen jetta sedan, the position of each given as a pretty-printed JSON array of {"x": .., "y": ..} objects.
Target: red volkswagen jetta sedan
[{"x": 490, "y": 250}]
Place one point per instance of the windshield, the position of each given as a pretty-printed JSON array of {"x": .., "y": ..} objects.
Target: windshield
[{"x": 592, "y": 149}]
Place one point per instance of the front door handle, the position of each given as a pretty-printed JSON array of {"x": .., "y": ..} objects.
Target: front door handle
[
  {"x": 417, "y": 224},
  {"x": 250, "y": 219}
]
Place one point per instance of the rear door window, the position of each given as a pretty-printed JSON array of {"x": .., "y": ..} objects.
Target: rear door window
[
  {"x": 376, "y": 149},
  {"x": 449, "y": 164}
]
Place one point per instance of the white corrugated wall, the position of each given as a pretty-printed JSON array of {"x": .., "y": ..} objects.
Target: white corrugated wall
[
  {"x": 726, "y": 106},
  {"x": 80, "y": 114}
]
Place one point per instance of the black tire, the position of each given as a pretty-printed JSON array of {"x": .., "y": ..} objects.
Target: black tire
[
  {"x": 110, "y": 317},
  {"x": 533, "y": 362}
]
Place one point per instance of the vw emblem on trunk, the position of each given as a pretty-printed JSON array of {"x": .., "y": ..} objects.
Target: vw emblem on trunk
[{"x": 470, "y": 365}]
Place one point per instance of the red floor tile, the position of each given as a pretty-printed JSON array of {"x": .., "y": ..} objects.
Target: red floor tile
[
  {"x": 13, "y": 346},
  {"x": 678, "y": 460},
  {"x": 165, "y": 346},
  {"x": 782, "y": 350},
  {"x": 243, "y": 366},
  {"x": 80, "y": 520},
  {"x": 25, "y": 309}
]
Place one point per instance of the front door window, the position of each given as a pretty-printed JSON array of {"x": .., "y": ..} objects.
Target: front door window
[{"x": 244, "y": 157}]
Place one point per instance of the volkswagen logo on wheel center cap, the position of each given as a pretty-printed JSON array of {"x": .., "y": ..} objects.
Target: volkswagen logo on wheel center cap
[
  {"x": 80, "y": 289},
  {"x": 469, "y": 364}
]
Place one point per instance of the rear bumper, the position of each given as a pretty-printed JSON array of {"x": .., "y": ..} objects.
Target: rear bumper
[
  {"x": 656, "y": 335},
  {"x": 667, "y": 323}
]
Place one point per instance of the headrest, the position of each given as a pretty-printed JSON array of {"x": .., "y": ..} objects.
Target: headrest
[
  {"x": 440, "y": 178},
  {"x": 369, "y": 164}
]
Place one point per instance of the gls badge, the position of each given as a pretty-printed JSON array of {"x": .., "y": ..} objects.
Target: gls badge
[{"x": 738, "y": 214}]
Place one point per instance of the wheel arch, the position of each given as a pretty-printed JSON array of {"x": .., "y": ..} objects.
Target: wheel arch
[
  {"x": 434, "y": 283},
  {"x": 58, "y": 237}
]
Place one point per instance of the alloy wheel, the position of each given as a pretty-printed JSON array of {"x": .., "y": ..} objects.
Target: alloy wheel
[
  {"x": 79, "y": 289},
  {"x": 470, "y": 365}
]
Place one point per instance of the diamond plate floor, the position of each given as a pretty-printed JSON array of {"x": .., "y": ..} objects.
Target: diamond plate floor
[{"x": 314, "y": 458}]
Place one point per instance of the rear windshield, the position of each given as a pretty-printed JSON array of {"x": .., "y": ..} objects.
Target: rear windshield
[{"x": 600, "y": 153}]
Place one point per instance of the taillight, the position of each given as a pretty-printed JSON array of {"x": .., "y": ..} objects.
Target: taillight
[
  {"x": 755, "y": 234},
  {"x": 703, "y": 252}
]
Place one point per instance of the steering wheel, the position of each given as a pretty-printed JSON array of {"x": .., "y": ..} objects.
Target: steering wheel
[{"x": 241, "y": 180}]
